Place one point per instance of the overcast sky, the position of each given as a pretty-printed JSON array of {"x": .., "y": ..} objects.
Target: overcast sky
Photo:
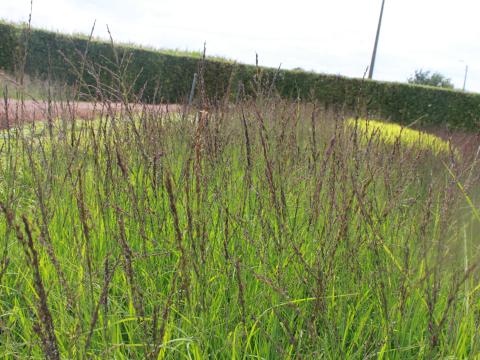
[{"x": 330, "y": 36}]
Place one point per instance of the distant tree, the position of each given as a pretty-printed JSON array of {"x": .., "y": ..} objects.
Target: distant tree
[{"x": 422, "y": 77}]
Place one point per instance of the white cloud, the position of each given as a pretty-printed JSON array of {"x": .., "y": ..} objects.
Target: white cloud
[{"x": 334, "y": 36}]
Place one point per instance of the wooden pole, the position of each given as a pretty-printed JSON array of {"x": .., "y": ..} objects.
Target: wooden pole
[{"x": 374, "y": 54}]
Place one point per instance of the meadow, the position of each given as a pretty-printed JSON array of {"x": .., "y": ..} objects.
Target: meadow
[{"x": 257, "y": 228}]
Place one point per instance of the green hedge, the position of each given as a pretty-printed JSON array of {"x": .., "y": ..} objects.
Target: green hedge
[
  {"x": 172, "y": 75},
  {"x": 8, "y": 46}
]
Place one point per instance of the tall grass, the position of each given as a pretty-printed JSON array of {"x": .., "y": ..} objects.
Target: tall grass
[
  {"x": 391, "y": 133},
  {"x": 266, "y": 229}
]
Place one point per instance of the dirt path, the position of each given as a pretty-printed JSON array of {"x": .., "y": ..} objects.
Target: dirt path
[
  {"x": 467, "y": 142},
  {"x": 15, "y": 112}
]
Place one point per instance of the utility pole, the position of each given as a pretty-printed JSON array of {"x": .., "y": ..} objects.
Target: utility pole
[
  {"x": 465, "y": 78},
  {"x": 374, "y": 54}
]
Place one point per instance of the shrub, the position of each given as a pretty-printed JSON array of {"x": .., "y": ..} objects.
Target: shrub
[{"x": 171, "y": 74}]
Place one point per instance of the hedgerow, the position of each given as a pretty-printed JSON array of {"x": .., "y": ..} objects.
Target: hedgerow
[{"x": 167, "y": 76}]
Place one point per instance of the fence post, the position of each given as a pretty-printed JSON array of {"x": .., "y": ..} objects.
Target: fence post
[{"x": 192, "y": 91}]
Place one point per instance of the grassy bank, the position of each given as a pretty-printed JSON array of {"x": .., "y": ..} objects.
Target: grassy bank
[{"x": 270, "y": 229}]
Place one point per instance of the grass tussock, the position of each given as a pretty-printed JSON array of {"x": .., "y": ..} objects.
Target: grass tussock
[
  {"x": 261, "y": 229},
  {"x": 390, "y": 133}
]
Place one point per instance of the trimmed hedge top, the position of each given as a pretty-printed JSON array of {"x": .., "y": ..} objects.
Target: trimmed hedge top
[{"x": 172, "y": 74}]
